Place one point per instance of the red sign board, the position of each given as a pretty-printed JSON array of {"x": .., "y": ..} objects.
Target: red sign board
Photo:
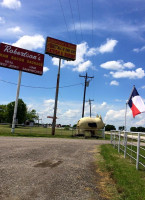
[
  {"x": 60, "y": 49},
  {"x": 21, "y": 59}
]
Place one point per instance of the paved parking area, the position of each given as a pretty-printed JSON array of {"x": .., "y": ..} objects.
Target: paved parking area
[{"x": 48, "y": 169}]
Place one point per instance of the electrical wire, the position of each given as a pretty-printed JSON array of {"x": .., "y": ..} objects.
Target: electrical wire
[
  {"x": 34, "y": 87},
  {"x": 64, "y": 19},
  {"x": 73, "y": 21},
  {"x": 80, "y": 20}
]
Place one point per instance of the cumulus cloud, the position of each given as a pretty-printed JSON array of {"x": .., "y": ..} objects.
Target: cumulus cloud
[
  {"x": 104, "y": 48},
  {"x": 15, "y": 29},
  {"x": 82, "y": 67},
  {"x": 103, "y": 104},
  {"x": 108, "y": 46},
  {"x": 82, "y": 63},
  {"x": 117, "y": 65},
  {"x": 114, "y": 83},
  {"x": 137, "y": 74},
  {"x": 30, "y": 42},
  {"x": 11, "y": 4},
  {"x": 2, "y": 21},
  {"x": 45, "y": 69},
  {"x": 137, "y": 50}
]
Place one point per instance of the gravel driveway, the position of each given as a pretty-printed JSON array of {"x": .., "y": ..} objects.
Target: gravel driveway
[{"x": 48, "y": 169}]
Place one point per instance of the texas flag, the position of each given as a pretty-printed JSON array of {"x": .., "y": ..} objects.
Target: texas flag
[{"x": 136, "y": 103}]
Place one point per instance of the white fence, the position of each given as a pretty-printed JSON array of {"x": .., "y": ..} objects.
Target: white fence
[{"x": 132, "y": 144}]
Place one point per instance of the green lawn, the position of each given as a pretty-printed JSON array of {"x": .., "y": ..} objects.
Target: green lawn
[
  {"x": 5, "y": 130},
  {"x": 130, "y": 183}
]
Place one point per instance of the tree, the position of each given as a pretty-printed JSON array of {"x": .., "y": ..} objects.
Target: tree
[
  {"x": 140, "y": 129},
  {"x": 21, "y": 111},
  {"x": 121, "y": 128},
  {"x": 109, "y": 127},
  {"x": 32, "y": 115},
  {"x": 3, "y": 113},
  {"x": 133, "y": 129}
]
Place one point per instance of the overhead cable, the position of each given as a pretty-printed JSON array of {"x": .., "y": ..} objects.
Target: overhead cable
[
  {"x": 64, "y": 19},
  {"x": 80, "y": 20},
  {"x": 73, "y": 21},
  {"x": 38, "y": 87}
]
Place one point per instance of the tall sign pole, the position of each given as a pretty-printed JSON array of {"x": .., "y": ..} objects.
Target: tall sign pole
[
  {"x": 62, "y": 50},
  {"x": 56, "y": 100},
  {"x": 16, "y": 103},
  {"x": 86, "y": 85}
]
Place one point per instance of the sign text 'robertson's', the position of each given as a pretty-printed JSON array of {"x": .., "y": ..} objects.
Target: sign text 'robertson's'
[{"x": 21, "y": 59}]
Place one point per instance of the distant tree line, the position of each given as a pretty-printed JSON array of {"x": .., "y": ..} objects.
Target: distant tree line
[
  {"x": 137, "y": 129},
  {"x": 23, "y": 114},
  {"x": 109, "y": 127}
]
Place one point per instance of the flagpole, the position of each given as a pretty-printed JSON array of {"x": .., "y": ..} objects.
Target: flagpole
[
  {"x": 126, "y": 107},
  {"x": 125, "y": 116}
]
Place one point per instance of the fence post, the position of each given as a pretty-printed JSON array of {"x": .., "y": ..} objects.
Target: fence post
[
  {"x": 111, "y": 137},
  {"x": 119, "y": 142},
  {"x": 125, "y": 143},
  {"x": 138, "y": 148},
  {"x": 114, "y": 139},
  {"x": 103, "y": 133}
]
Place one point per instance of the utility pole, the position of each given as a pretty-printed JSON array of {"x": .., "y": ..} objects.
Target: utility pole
[
  {"x": 90, "y": 106},
  {"x": 86, "y": 85},
  {"x": 56, "y": 99}
]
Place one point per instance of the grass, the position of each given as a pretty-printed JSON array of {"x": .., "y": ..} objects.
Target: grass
[
  {"x": 5, "y": 130},
  {"x": 40, "y": 131},
  {"x": 130, "y": 183}
]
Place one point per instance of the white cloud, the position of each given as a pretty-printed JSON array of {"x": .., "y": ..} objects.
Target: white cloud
[
  {"x": 11, "y": 4},
  {"x": 45, "y": 69},
  {"x": 2, "y": 21},
  {"x": 15, "y": 29},
  {"x": 82, "y": 67},
  {"x": 104, "y": 48},
  {"x": 71, "y": 113},
  {"x": 103, "y": 104},
  {"x": 137, "y": 50},
  {"x": 143, "y": 87},
  {"x": 117, "y": 65},
  {"x": 114, "y": 83},
  {"x": 82, "y": 63},
  {"x": 137, "y": 74},
  {"x": 30, "y": 42},
  {"x": 108, "y": 46}
]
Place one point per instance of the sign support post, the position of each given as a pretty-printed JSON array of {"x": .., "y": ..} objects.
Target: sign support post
[
  {"x": 16, "y": 103},
  {"x": 56, "y": 99}
]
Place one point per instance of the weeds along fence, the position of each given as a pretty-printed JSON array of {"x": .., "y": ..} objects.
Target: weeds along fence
[{"x": 132, "y": 144}]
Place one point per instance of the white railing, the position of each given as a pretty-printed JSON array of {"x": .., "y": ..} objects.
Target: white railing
[{"x": 132, "y": 144}]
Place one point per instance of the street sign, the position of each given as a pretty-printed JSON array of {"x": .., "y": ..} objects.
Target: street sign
[
  {"x": 21, "y": 59},
  {"x": 60, "y": 49}
]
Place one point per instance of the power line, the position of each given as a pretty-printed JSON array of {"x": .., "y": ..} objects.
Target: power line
[
  {"x": 80, "y": 20},
  {"x": 38, "y": 87},
  {"x": 73, "y": 21},
  {"x": 64, "y": 19}
]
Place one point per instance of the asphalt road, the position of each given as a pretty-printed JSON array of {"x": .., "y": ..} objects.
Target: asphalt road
[{"x": 48, "y": 169}]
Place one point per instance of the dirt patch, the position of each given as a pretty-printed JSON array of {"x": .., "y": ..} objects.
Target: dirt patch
[{"x": 48, "y": 163}]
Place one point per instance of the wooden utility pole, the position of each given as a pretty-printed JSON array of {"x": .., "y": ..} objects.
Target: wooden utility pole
[
  {"x": 90, "y": 106},
  {"x": 86, "y": 85},
  {"x": 56, "y": 99}
]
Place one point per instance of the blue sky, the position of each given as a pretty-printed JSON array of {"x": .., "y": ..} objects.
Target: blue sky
[{"x": 110, "y": 38}]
